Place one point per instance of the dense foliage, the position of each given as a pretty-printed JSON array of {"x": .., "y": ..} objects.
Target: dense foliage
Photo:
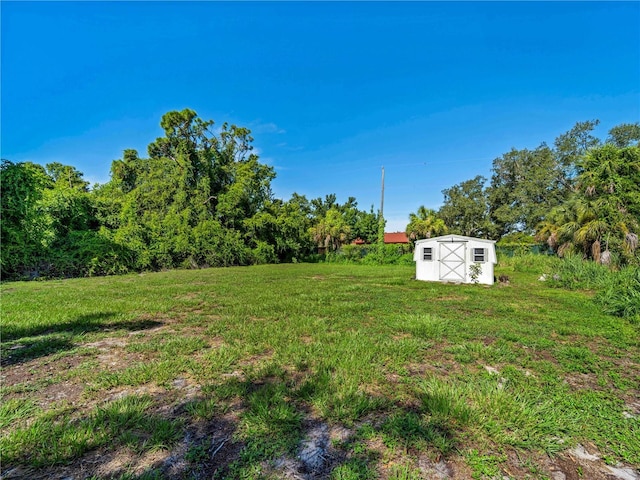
[
  {"x": 202, "y": 198},
  {"x": 581, "y": 196},
  {"x": 199, "y": 199}
]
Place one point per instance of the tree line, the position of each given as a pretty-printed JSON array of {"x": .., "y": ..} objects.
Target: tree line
[
  {"x": 198, "y": 199},
  {"x": 580, "y": 196},
  {"x": 202, "y": 198}
]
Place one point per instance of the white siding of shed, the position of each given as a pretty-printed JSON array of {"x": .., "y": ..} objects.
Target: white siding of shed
[{"x": 449, "y": 259}]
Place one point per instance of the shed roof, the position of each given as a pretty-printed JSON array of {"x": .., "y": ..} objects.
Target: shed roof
[{"x": 455, "y": 238}]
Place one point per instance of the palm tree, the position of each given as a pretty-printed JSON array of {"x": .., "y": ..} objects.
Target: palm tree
[
  {"x": 424, "y": 224},
  {"x": 602, "y": 210},
  {"x": 331, "y": 231}
]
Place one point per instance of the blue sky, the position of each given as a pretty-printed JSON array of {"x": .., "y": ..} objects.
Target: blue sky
[{"x": 332, "y": 91}]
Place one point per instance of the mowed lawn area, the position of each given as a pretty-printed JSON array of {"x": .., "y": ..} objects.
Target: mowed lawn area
[{"x": 315, "y": 371}]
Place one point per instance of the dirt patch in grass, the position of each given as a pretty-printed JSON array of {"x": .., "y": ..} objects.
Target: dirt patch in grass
[
  {"x": 111, "y": 354},
  {"x": 583, "y": 462},
  {"x": 206, "y": 451},
  {"x": 65, "y": 391},
  {"x": 316, "y": 456},
  {"x": 115, "y": 360},
  {"x": 442, "y": 367},
  {"x": 35, "y": 376},
  {"x": 583, "y": 381},
  {"x": 257, "y": 358},
  {"x": 443, "y": 469},
  {"x": 112, "y": 464}
]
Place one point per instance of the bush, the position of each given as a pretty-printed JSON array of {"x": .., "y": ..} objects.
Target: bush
[
  {"x": 621, "y": 294},
  {"x": 388, "y": 255},
  {"x": 373, "y": 254},
  {"x": 527, "y": 261},
  {"x": 264, "y": 253},
  {"x": 573, "y": 272}
]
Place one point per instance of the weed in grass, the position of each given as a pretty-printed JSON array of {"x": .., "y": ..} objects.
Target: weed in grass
[
  {"x": 446, "y": 402},
  {"x": 203, "y": 409},
  {"x": 618, "y": 434},
  {"x": 465, "y": 353},
  {"x": 270, "y": 426},
  {"x": 231, "y": 388},
  {"x": 576, "y": 359},
  {"x": 358, "y": 467},
  {"x": 500, "y": 352},
  {"x": 129, "y": 416},
  {"x": 484, "y": 466},
  {"x": 424, "y": 327},
  {"x": 197, "y": 453},
  {"x": 619, "y": 382},
  {"x": 406, "y": 430},
  {"x": 168, "y": 346},
  {"x": 16, "y": 410},
  {"x": 56, "y": 437},
  {"x": 52, "y": 438},
  {"x": 409, "y": 431},
  {"x": 160, "y": 372},
  {"x": 528, "y": 263},
  {"x": 241, "y": 470},
  {"x": 404, "y": 472},
  {"x": 573, "y": 272}
]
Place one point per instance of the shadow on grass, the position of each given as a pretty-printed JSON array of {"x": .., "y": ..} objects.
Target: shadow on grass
[
  {"x": 82, "y": 324},
  {"x": 131, "y": 422},
  {"x": 23, "y": 344},
  {"x": 262, "y": 425}
]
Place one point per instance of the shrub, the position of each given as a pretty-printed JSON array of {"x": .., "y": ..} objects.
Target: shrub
[
  {"x": 573, "y": 272},
  {"x": 264, "y": 253},
  {"x": 621, "y": 294},
  {"x": 388, "y": 255},
  {"x": 372, "y": 255},
  {"x": 527, "y": 261}
]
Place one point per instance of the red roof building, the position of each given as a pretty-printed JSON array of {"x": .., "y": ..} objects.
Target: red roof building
[{"x": 396, "y": 237}]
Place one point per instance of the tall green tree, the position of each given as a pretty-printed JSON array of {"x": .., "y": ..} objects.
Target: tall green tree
[
  {"x": 525, "y": 186},
  {"x": 50, "y": 227},
  {"x": 570, "y": 147},
  {"x": 465, "y": 208},
  {"x": 280, "y": 232},
  {"x": 624, "y": 135},
  {"x": 361, "y": 224},
  {"x": 366, "y": 225},
  {"x": 67, "y": 175},
  {"x": 196, "y": 191},
  {"x": 22, "y": 186}
]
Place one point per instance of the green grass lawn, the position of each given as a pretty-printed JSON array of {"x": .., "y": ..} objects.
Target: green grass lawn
[{"x": 229, "y": 373}]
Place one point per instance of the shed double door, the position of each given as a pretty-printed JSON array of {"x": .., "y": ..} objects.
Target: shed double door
[{"x": 452, "y": 261}]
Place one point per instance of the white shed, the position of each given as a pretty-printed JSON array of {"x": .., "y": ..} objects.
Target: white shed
[{"x": 452, "y": 258}]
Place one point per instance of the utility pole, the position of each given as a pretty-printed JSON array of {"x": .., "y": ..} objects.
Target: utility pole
[
  {"x": 382, "y": 198},
  {"x": 381, "y": 219}
]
